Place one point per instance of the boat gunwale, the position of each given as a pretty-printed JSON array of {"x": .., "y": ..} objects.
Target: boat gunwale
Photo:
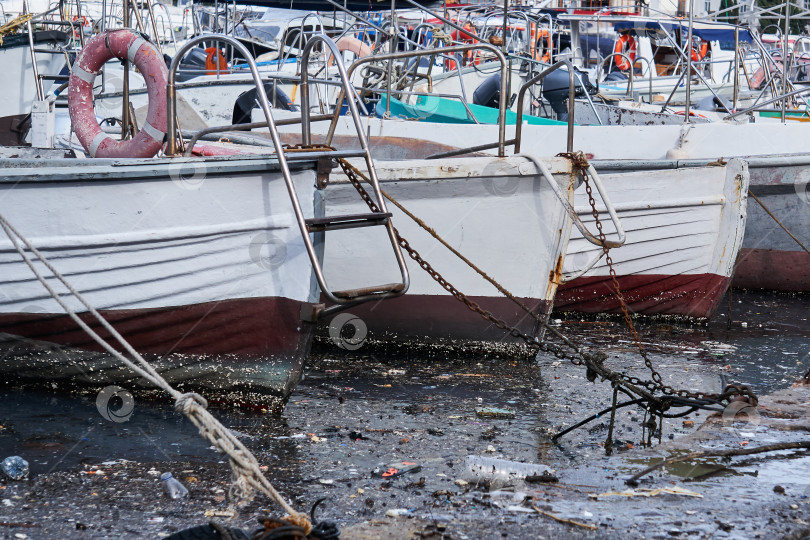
[{"x": 18, "y": 171}]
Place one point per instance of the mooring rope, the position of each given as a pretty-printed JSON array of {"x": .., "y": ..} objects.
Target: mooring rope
[
  {"x": 751, "y": 193},
  {"x": 13, "y": 24},
  {"x": 246, "y": 475}
]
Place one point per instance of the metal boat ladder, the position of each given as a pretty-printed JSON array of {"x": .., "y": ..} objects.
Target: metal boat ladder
[{"x": 340, "y": 299}]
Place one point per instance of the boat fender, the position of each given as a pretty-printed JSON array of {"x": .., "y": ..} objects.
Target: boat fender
[
  {"x": 488, "y": 92},
  {"x": 677, "y": 153},
  {"x": 246, "y": 102},
  {"x": 123, "y": 44}
]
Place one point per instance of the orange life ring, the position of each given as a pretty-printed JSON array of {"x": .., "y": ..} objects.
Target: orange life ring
[
  {"x": 84, "y": 22},
  {"x": 213, "y": 67},
  {"x": 466, "y": 35},
  {"x": 543, "y": 54},
  {"x": 700, "y": 54},
  {"x": 123, "y": 44},
  {"x": 618, "y": 50}
]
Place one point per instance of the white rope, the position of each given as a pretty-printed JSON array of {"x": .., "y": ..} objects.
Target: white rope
[{"x": 246, "y": 477}]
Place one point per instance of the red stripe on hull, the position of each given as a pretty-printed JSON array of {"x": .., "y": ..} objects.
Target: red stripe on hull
[
  {"x": 772, "y": 269},
  {"x": 245, "y": 351},
  {"x": 250, "y": 327},
  {"x": 691, "y": 295},
  {"x": 439, "y": 318}
]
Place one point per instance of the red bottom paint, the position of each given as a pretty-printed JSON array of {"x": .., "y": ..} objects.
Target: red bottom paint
[
  {"x": 691, "y": 295},
  {"x": 437, "y": 318},
  {"x": 772, "y": 269},
  {"x": 231, "y": 350},
  {"x": 250, "y": 327}
]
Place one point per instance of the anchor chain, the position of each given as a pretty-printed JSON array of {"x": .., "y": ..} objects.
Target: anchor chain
[
  {"x": 580, "y": 162},
  {"x": 592, "y": 361}
]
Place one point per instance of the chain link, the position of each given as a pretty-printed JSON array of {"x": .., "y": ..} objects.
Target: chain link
[
  {"x": 657, "y": 383},
  {"x": 594, "y": 362},
  {"x": 354, "y": 177}
]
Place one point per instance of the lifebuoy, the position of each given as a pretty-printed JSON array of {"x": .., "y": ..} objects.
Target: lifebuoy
[
  {"x": 125, "y": 45},
  {"x": 619, "y": 49},
  {"x": 83, "y": 21},
  {"x": 700, "y": 54},
  {"x": 352, "y": 44},
  {"x": 466, "y": 35},
  {"x": 543, "y": 53}
]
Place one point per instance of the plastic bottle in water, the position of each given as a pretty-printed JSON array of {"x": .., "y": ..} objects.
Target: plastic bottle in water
[
  {"x": 499, "y": 472},
  {"x": 15, "y": 467},
  {"x": 172, "y": 486}
]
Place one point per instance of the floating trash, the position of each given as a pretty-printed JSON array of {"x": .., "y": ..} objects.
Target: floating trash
[
  {"x": 494, "y": 412},
  {"x": 718, "y": 348},
  {"x": 15, "y": 467}
]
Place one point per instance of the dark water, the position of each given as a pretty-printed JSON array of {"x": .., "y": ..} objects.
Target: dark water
[{"x": 766, "y": 346}]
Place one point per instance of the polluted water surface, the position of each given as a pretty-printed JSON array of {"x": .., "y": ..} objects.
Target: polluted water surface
[{"x": 385, "y": 440}]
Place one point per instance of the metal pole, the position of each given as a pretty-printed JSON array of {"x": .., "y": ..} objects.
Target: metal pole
[
  {"x": 125, "y": 86},
  {"x": 688, "y": 62},
  {"x": 393, "y": 41},
  {"x": 154, "y": 24},
  {"x": 216, "y": 15},
  {"x": 505, "y": 15},
  {"x": 102, "y": 28},
  {"x": 80, "y": 22},
  {"x": 37, "y": 81},
  {"x": 785, "y": 62},
  {"x": 736, "y": 66}
]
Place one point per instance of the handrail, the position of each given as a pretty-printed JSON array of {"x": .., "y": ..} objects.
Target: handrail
[
  {"x": 590, "y": 237},
  {"x": 426, "y": 52},
  {"x": 168, "y": 18},
  {"x": 631, "y": 70},
  {"x": 348, "y": 90},
  {"x": 534, "y": 80},
  {"x": 171, "y": 96},
  {"x": 261, "y": 96},
  {"x": 768, "y": 102}
]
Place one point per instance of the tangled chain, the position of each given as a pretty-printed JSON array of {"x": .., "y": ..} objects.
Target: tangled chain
[
  {"x": 593, "y": 361},
  {"x": 580, "y": 162}
]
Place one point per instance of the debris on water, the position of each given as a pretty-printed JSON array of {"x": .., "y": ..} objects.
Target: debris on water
[
  {"x": 718, "y": 348},
  {"x": 172, "y": 486},
  {"x": 643, "y": 492},
  {"x": 397, "y": 512},
  {"x": 15, "y": 467},
  {"x": 495, "y": 472},
  {"x": 494, "y": 412},
  {"x": 542, "y": 478},
  {"x": 220, "y": 513},
  {"x": 397, "y": 469},
  {"x": 779, "y": 489}
]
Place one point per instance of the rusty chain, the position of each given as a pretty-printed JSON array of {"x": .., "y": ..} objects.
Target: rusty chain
[
  {"x": 593, "y": 361},
  {"x": 657, "y": 384},
  {"x": 354, "y": 175}
]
